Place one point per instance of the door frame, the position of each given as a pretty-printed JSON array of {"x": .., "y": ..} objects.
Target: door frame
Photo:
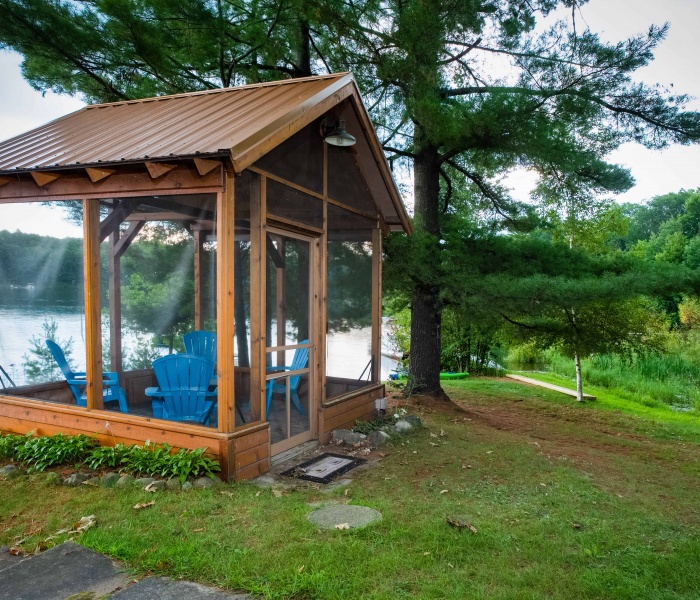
[{"x": 313, "y": 238}]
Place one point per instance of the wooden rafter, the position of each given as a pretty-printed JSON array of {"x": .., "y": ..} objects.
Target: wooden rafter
[
  {"x": 157, "y": 169},
  {"x": 5, "y": 180},
  {"x": 128, "y": 237},
  {"x": 205, "y": 165},
  {"x": 116, "y": 217},
  {"x": 98, "y": 173},
  {"x": 42, "y": 178}
]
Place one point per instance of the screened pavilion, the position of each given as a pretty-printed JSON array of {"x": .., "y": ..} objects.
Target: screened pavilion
[{"x": 248, "y": 215}]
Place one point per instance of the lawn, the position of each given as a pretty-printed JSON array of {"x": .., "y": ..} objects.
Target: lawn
[{"x": 568, "y": 501}]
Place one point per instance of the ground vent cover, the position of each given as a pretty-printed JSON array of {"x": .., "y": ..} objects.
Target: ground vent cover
[{"x": 324, "y": 468}]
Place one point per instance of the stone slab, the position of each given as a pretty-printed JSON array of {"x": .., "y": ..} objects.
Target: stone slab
[
  {"x": 354, "y": 516},
  {"x": 163, "y": 588},
  {"x": 59, "y": 573},
  {"x": 7, "y": 559}
]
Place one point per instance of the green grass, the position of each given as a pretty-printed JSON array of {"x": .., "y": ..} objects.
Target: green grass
[{"x": 570, "y": 502}]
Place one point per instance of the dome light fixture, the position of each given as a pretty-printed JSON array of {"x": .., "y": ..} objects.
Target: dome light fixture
[{"x": 335, "y": 135}]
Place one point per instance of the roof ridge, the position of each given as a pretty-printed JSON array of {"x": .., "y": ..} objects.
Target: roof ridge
[{"x": 221, "y": 90}]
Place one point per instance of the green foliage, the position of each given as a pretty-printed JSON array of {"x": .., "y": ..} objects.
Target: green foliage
[
  {"x": 41, "y": 453},
  {"x": 40, "y": 365},
  {"x": 153, "y": 460},
  {"x": 374, "y": 424}
]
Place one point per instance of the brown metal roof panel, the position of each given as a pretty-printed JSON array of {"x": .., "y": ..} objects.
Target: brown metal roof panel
[{"x": 184, "y": 124}]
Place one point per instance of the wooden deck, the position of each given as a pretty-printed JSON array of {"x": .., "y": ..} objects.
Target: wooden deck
[{"x": 550, "y": 386}]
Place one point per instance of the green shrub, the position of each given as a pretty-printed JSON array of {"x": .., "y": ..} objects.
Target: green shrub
[
  {"x": 374, "y": 424},
  {"x": 40, "y": 453}
]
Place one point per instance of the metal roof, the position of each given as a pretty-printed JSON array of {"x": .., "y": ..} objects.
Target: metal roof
[
  {"x": 207, "y": 122},
  {"x": 242, "y": 123}
]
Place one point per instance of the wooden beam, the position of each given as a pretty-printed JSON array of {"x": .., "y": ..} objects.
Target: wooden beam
[
  {"x": 158, "y": 169},
  {"x": 225, "y": 292},
  {"x": 42, "y": 178},
  {"x": 98, "y": 173},
  {"x": 115, "y": 218},
  {"x": 198, "y": 283},
  {"x": 5, "y": 180},
  {"x": 258, "y": 262},
  {"x": 93, "y": 321},
  {"x": 376, "y": 304},
  {"x": 128, "y": 237},
  {"x": 322, "y": 291},
  {"x": 205, "y": 165},
  {"x": 183, "y": 180},
  {"x": 115, "y": 305},
  {"x": 281, "y": 293}
]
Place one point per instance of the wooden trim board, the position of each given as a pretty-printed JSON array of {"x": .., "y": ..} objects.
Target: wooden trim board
[{"x": 549, "y": 386}]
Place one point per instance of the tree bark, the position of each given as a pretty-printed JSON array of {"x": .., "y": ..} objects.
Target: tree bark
[
  {"x": 579, "y": 380},
  {"x": 426, "y": 308}
]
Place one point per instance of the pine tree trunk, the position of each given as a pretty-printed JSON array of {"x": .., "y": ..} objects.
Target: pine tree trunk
[
  {"x": 425, "y": 308},
  {"x": 579, "y": 379}
]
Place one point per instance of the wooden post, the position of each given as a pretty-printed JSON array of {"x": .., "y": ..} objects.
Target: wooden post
[
  {"x": 321, "y": 321},
  {"x": 281, "y": 304},
  {"x": 93, "y": 322},
  {"x": 224, "y": 305},
  {"x": 258, "y": 282},
  {"x": 198, "y": 283},
  {"x": 115, "y": 305},
  {"x": 376, "y": 304}
]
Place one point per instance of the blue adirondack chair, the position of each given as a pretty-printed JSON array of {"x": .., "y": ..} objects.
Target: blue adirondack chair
[
  {"x": 202, "y": 343},
  {"x": 183, "y": 388},
  {"x": 111, "y": 392},
  {"x": 300, "y": 361}
]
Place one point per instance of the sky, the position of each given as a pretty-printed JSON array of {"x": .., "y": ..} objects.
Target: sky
[{"x": 655, "y": 172}]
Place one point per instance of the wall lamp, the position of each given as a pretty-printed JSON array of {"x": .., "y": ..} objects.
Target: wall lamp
[{"x": 335, "y": 134}]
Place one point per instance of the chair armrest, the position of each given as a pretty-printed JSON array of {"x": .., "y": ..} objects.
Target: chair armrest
[
  {"x": 154, "y": 392},
  {"x": 76, "y": 381},
  {"x": 110, "y": 376},
  {"x": 276, "y": 369}
]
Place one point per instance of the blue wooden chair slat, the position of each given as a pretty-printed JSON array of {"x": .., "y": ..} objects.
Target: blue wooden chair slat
[
  {"x": 299, "y": 361},
  {"x": 202, "y": 343},
  {"x": 111, "y": 391},
  {"x": 183, "y": 388}
]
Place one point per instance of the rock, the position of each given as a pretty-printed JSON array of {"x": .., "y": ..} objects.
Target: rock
[
  {"x": 92, "y": 482},
  {"x": 109, "y": 480},
  {"x": 125, "y": 481},
  {"x": 156, "y": 486},
  {"x": 11, "y": 472},
  {"x": 402, "y": 426},
  {"x": 143, "y": 482},
  {"x": 265, "y": 480},
  {"x": 203, "y": 483},
  {"x": 345, "y": 436},
  {"x": 378, "y": 438},
  {"x": 52, "y": 478},
  {"x": 413, "y": 420},
  {"x": 187, "y": 486},
  {"x": 343, "y": 516},
  {"x": 173, "y": 485},
  {"x": 75, "y": 479}
]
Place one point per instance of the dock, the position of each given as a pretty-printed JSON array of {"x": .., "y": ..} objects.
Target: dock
[{"x": 550, "y": 386}]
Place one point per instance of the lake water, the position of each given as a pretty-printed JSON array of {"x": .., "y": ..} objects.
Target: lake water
[{"x": 24, "y": 310}]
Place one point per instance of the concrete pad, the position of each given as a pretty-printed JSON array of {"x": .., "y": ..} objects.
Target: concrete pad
[
  {"x": 341, "y": 514},
  {"x": 61, "y": 572},
  {"x": 163, "y": 588},
  {"x": 7, "y": 559}
]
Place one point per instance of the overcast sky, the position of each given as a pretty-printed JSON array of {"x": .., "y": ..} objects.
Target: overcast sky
[{"x": 656, "y": 172}]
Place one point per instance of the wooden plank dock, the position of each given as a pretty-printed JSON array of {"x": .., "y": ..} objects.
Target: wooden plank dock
[{"x": 550, "y": 386}]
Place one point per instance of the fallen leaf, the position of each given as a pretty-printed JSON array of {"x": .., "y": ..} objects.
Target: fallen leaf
[
  {"x": 442, "y": 433},
  {"x": 444, "y": 491},
  {"x": 461, "y": 523},
  {"x": 199, "y": 530},
  {"x": 536, "y": 444},
  {"x": 300, "y": 569},
  {"x": 15, "y": 551},
  {"x": 426, "y": 553},
  {"x": 450, "y": 565},
  {"x": 433, "y": 435},
  {"x": 434, "y": 444},
  {"x": 256, "y": 495},
  {"x": 346, "y": 492},
  {"x": 489, "y": 452},
  {"x": 342, "y": 526},
  {"x": 543, "y": 484},
  {"x": 577, "y": 526},
  {"x": 277, "y": 493},
  {"x": 151, "y": 487},
  {"x": 141, "y": 505},
  {"x": 229, "y": 494}
]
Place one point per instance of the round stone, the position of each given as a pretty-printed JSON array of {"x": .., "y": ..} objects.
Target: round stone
[{"x": 344, "y": 516}]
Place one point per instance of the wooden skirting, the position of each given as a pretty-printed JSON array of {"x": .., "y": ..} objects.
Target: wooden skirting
[
  {"x": 342, "y": 412},
  {"x": 243, "y": 454}
]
